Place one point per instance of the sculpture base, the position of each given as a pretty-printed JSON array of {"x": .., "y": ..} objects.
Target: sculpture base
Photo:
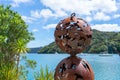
[{"x": 73, "y": 68}]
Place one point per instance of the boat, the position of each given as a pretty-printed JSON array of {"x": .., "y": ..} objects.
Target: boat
[
  {"x": 105, "y": 53},
  {"x": 56, "y": 52}
]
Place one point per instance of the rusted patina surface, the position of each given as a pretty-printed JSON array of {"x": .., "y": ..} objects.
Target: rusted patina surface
[
  {"x": 73, "y": 35},
  {"x": 73, "y": 68}
]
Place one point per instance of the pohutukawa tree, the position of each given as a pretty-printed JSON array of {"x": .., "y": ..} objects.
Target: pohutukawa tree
[{"x": 14, "y": 35}]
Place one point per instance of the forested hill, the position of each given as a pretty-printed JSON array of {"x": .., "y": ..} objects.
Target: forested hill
[
  {"x": 101, "y": 42},
  {"x": 34, "y": 50}
]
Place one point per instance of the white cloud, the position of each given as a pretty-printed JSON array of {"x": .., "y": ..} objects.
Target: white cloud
[
  {"x": 116, "y": 16},
  {"x": 67, "y": 6},
  {"x": 35, "y": 30},
  {"x": 83, "y": 7},
  {"x": 28, "y": 19},
  {"x": 35, "y": 13},
  {"x": 88, "y": 19},
  {"x": 106, "y": 6},
  {"x": 47, "y": 13},
  {"x": 87, "y": 8},
  {"x": 106, "y": 27},
  {"x": 50, "y": 26},
  {"x": 101, "y": 16},
  {"x": 15, "y": 3},
  {"x": 100, "y": 27},
  {"x": 60, "y": 13}
]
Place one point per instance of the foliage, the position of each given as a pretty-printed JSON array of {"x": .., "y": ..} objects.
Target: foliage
[
  {"x": 44, "y": 74},
  {"x": 101, "y": 42},
  {"x": 30, "y": 63},
  {"x": 11, "y": 72},
  {"x": 34, "y": 50},
  {"x": 51, "y": 48},
  {"x": 7, "y": 72},
  {"x": 14, "y": 35}
]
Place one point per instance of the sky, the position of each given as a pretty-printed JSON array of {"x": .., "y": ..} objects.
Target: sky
[{"x": 42, "y": 16}]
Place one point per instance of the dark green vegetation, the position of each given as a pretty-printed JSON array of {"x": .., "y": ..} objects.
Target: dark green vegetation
[
  {"x": 44, "y": 74},
  {"x": 14, "y": 37},
  {"x": 34, "y": 50},
  {"x": 51, "y": 48},
  {"x": 101, "y": 42}
]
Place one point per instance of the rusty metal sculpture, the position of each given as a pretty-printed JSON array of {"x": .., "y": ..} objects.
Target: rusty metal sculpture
[
  {"x": 73, "y": 35},
  {"x": 74, "y": 68}
]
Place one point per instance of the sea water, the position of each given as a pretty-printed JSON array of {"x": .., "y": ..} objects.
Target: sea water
[{"x": 104, "y": 67}]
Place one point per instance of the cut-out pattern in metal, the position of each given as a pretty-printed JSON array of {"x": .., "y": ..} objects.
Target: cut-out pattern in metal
[
  {"x": 73, "y": 35},
  {"x": 74, "y": 68}
]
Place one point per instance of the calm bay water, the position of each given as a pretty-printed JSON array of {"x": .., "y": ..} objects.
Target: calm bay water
[{"x": 105, "y": 68}]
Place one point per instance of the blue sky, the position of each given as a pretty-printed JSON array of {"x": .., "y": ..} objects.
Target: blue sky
[{"x": 42, "y": 16}]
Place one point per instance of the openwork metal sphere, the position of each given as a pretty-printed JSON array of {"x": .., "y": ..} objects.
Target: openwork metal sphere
[
  {"x": 73, "y": 35},
  {"x": 73, "y": 68}
]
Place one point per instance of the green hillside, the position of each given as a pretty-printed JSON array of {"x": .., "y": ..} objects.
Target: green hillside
[
  {"x": 101, "y": 42},
  {"x": 34, "y": 50}
]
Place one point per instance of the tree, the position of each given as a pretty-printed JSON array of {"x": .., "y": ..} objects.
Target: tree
[{"x": 14, "y": 35}]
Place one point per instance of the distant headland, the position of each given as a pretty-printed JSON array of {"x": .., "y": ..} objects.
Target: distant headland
[{"x": 101, "y": 42}]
